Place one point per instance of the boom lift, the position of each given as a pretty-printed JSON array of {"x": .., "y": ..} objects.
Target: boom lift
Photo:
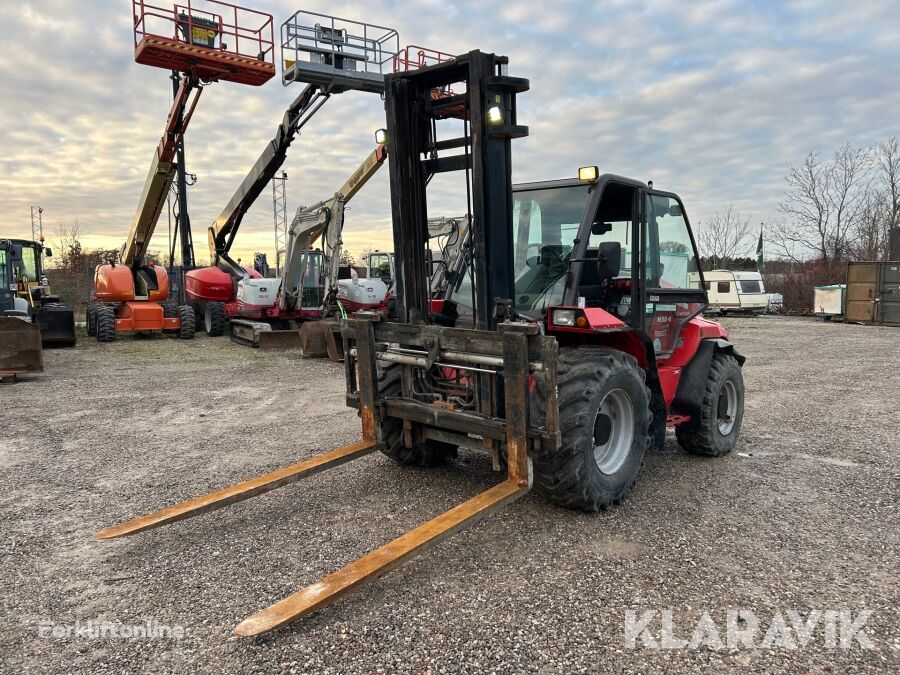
[
  {"x": 565, "y": 350},
  {"x": 189, "y": 39},
  {"x": 344, "y": 55}
]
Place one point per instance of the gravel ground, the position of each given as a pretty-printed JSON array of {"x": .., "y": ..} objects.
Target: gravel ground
[{"x": 802, "y": 516}]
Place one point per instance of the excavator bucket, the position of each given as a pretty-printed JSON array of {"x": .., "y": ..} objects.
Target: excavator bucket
[
  {"x": 20, "y": 348},
  {"x": 317, "y": 340}
]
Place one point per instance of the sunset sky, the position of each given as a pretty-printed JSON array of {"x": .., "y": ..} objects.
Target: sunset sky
[{"x": 712, "y": 100}]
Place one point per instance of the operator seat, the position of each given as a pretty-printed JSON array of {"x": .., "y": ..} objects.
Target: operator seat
[{"x": 591, "y": 286}]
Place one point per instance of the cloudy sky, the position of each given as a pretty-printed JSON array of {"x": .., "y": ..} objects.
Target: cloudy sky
[{"x": 712, "y": 100}]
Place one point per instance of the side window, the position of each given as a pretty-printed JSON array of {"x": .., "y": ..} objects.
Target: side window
[
  {"x": 724, "y": 287},
  {"x": 708, "y": 285},
  {"x": 29, "y": 263},
  {"x": 669, "y": 251}
]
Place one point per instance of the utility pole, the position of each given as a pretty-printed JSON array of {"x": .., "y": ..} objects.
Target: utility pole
[
  {"x": 37, "y": 223},
  {"x": 279, "y": 207}
]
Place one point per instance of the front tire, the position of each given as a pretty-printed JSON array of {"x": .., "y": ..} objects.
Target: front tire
[
  {"x": 716, "y": 431},
  {"x": 105, "y": 319},
  {"x": 214, "y": 319},
  {"x": 604, "y": 407},
  {"x": 187, "y": 328},
  {"x": 91, "y": 321}
]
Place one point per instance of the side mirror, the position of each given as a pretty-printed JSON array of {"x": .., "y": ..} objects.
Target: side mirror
[
  {"x": 609, "y": 260},
  {"x": 48, "y": 252},
  {"x": 601, "y": 228}
]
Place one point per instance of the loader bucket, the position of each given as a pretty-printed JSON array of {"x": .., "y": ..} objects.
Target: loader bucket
[
  {"x": 279, "y": 339},
  {"x": 321, "y": 339},
  {"x": 20, "y": 347},
  {"x": 57, "y": 324},
  {"x": 312, "y": 339}
]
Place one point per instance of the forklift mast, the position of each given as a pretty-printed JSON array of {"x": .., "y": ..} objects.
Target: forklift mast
[{"x": 487, "y": 109}]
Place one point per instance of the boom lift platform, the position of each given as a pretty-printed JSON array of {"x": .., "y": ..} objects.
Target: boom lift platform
[
  {"x": 129, "y": 292},
  {"x": 581, "y": 342},
  {"x": 332, "y": 55}
]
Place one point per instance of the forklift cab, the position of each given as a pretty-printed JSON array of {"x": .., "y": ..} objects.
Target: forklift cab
[{"x": 587, "y": 252}]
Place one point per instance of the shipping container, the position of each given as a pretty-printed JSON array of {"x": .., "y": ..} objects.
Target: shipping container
[
  {"x": 873, "y": 292},
  {"x": 828, "y": 301}
]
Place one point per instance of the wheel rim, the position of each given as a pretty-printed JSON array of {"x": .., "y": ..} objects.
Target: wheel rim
[
  {"x": 726, "y": 410},
  {"x": 613, "y": 431}
]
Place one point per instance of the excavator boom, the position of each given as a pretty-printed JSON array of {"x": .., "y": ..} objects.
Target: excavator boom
[{"x": 325, "y": 220}]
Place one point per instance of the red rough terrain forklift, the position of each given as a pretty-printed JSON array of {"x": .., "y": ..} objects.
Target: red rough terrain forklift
[
  {"x": 206, "y": 41},
  {"x": 565, "y": 347}
]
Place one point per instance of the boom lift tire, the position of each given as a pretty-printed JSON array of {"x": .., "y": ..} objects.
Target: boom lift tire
[
  {"x": 188, "y": 326},
  {"x": 105, "y": 320},
  {"x": 604, "y": 408},
  {"x": 91, "y": 321},
  {"x": 426, "y": 453},
  {"x": 214, "y": 319},
  {"x": 721, "y": 413},
  {"x": 170, "y": 309}
]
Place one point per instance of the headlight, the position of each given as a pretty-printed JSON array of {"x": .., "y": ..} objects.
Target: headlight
[
  {"x": 564, "y": 317},
  {"x": 495, "y": 115}
]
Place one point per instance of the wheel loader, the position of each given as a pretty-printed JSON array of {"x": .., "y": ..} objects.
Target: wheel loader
[{"x": 565, "y": 347}]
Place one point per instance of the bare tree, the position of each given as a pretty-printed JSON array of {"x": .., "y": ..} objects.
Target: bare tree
[
  {"x": 68, "y": 242},
  {"x": 888, "y": 157},
  {"x": 726, "y": 236},
  {"x": 823, "y": 205}
]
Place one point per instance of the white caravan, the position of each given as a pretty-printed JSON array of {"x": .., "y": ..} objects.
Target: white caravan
[{"x": 735, "y": 291}]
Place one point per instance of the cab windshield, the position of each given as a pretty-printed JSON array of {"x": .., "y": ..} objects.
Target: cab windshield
[
  {"x": 545, "y": 224},
  {"x": 29, "y": 263}
]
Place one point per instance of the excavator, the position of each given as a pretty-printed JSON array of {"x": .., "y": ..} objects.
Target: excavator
[
  {"x": 573, "y": 339},
  {"x": 225, "y": 284},
  {"x": 220, "y": 42},
  {"x": 305, "y": 268}
]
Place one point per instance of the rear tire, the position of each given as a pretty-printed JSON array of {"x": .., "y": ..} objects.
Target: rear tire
[
  {"x": 187, "y": 328},
  {"x": 170, "y": 309},
  {"x": 105, "y": 318},
  {"x": 91, "y": 321},
  {"x": 214, "y": 319},
  {"x": 721, "y": 413},
  {"x": 428, "y": 453},
  {"x": 604, "y": 408}
]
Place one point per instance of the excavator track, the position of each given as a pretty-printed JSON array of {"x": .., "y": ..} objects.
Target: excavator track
[{"x": 246, "y": 332}]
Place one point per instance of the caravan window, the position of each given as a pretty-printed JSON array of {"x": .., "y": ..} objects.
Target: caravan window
[
  {"x": 751, "y": 286},
  {"x": 724, "y": 287}
]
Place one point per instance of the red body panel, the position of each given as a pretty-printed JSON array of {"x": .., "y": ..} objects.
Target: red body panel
[
  {"x": 113, "y": 283},
  {"x": 598, "y": 320},
  {"x": 143, "y": 316},
  {"x": 692, "y": 333},
  {"x": 210, "y": 284},
  {"x": 162, "y": 283},
  {"x": 615, "y": 334}
]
